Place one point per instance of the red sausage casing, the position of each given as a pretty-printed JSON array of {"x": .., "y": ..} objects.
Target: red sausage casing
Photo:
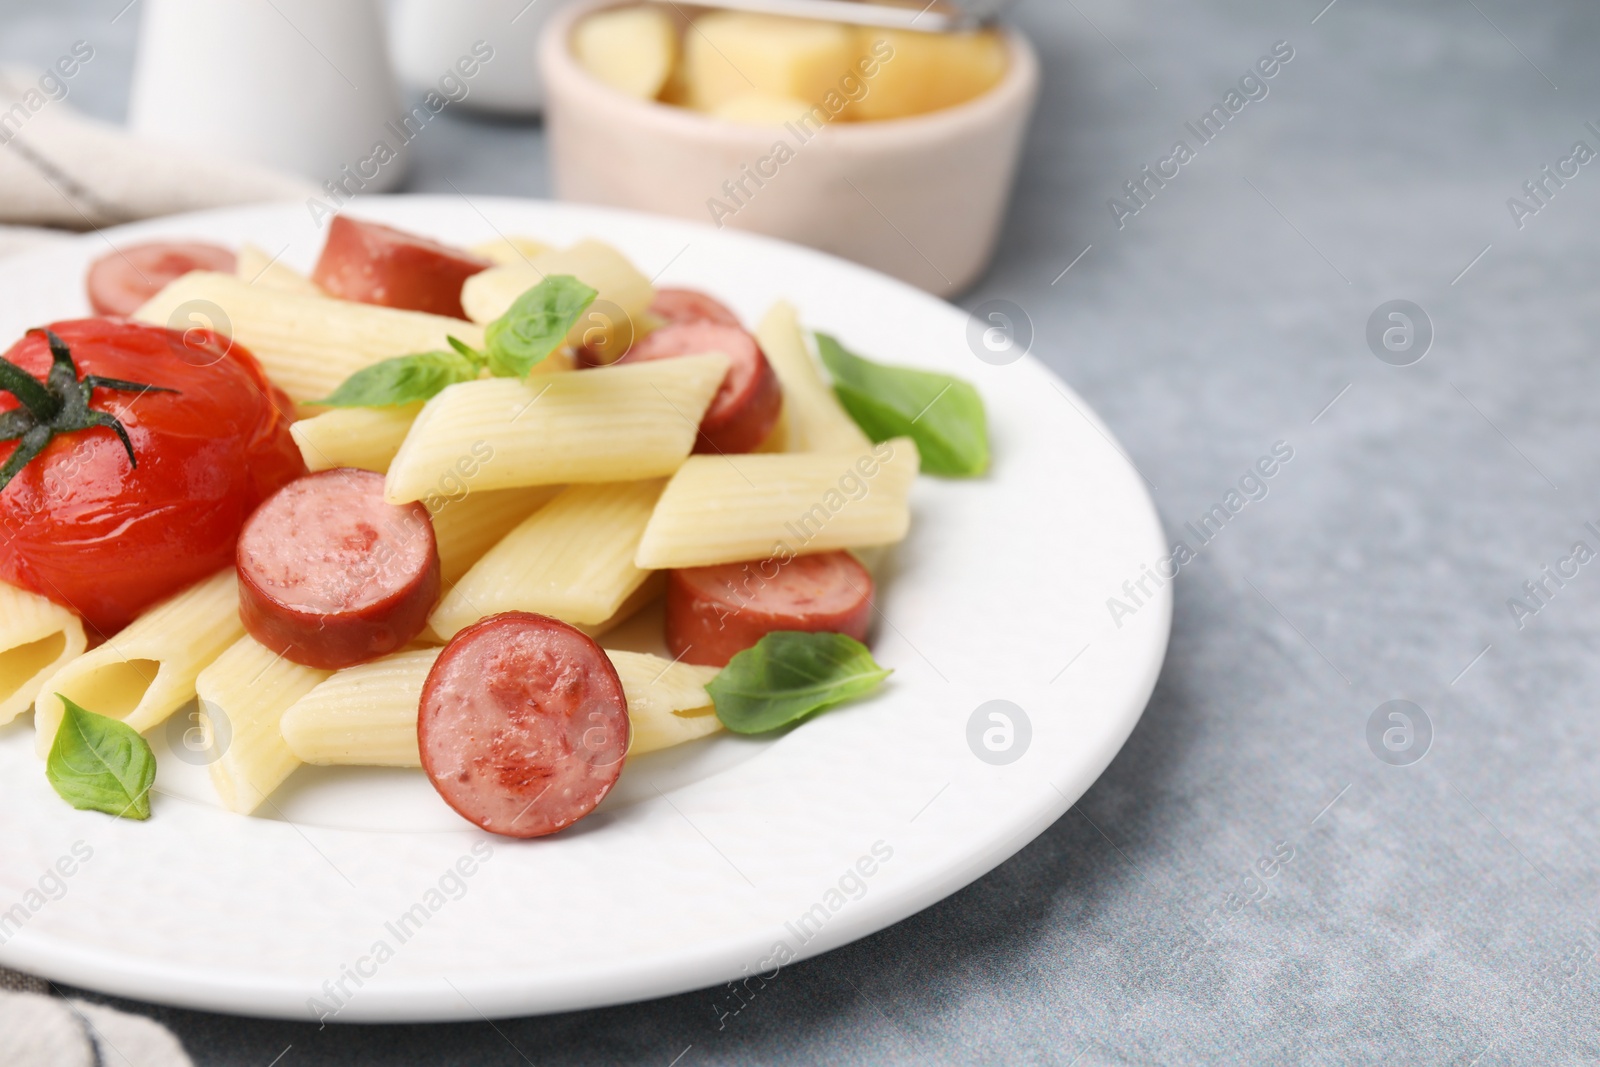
[
  {"x": 120, "y": 282},
  {"x": 523, "y": 724},
  {"x": 690, "y": 305},
  {"x": 715, "y": 612},
  {"x": 748, "y": 403},
  {"x": 377, "y": 264},
  {"x": 669, "y": 306},
  {"x": 331, "y": 575}
]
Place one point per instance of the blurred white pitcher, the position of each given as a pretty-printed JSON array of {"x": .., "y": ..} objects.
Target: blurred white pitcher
[
  {"x": 303, "y": 86},
  {"x": 428, "y": 36}
]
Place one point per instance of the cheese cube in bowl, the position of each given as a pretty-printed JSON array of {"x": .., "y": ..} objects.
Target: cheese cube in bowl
[{"x": 895, "y": 149}]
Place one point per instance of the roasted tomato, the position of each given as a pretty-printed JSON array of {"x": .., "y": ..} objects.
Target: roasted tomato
[{"x": 84, "y": 526}]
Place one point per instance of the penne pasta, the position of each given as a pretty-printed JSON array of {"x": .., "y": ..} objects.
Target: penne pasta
[
  {"x": 307, "y": 344},
  {"x": 364, "y": 715},
  {"x": 778, "y": 439},
  {"x": 612, "y": 424},
  {"x": 243, "y": 695},
  {"x": 369, "y": 438},
  {"x": 572, "y": 560},
  {"x": 724, "y": 509},
  {"x": 812, "y": 415},
  {"x": 510, "y": 251},
  {"x": 654, "y": 585},
  {"x": 254, "y": 267},
  {"x": 367, "y": 715},
  {"x": 148, "y": 670},
  {"x": 468, "y": 526},
  {"x": 37, "y": 638},
  {"x": 559, "y": 506},
  {"x": 366, "y": 438},
  {"x": 622, "y": 290},
  {"x": 667, "y": 701}
]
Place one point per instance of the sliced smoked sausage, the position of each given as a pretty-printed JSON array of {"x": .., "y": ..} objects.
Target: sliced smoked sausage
[
  {"x": 747, "y": 405},
  {"x": 120, "y": 282},
  {"x": 714, "y": 612},
  {"x": 669, "y": 306},
  {"x": 690, "y": 305},
  {"x": 330, "y": 575},
  {"x": 523, "y": 724},
  {"x": 377, "y": 264}
]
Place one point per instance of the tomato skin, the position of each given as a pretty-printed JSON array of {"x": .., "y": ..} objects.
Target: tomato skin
[{"x": 82, "y": 527}]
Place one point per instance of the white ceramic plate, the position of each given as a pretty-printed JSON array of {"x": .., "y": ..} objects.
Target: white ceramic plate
[{"x": 728, "y": 857}]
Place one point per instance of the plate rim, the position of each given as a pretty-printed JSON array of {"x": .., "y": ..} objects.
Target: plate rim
[{"x": 419, "y": 999}]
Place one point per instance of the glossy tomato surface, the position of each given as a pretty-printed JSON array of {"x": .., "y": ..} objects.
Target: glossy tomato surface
[{"x": 84, "y": 528}]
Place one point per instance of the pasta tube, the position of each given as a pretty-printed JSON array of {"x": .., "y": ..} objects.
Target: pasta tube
[
  {"x": 488, "y": 294},
  {"x": 367, "y": 715},
  {"x": 243, "y": 695},
  {"x": 468, "y": 526},
  {"x": 612, "y": 424},
  {"x": 254, "y": 267},
  {"x": 510, "y": 251},
  {"x": 366, "y": 438},
  {"x": 572, "y": 560},
  {"x": 723, "y": 509},
  {"x": 667, "y": 701},
  {"x": 363, "y": 715},
  {"x": 812, "y": 414},
  {"x": 308, "y": 344},
  {"x": 148, "y": 670},
  {"x": 37, "y": 638},
  {"x": 654, "y": 585}
]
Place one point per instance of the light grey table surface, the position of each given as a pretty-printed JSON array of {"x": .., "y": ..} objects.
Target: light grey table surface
[{"x": 1436, "y": 913}]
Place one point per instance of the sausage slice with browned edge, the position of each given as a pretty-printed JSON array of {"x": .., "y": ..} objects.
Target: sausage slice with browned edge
[
  {"x": 330, "y": 575},
  {"x": 120, "y": 282},
  {"x": 690, "y": 305},
  {"x": 523, "y": 724},
  {"x": 748, "y": 403},
  {"x": 715, "y": 612},
  {"x": 376, "y": 264}
]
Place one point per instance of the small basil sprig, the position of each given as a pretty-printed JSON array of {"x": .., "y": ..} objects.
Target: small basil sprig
[
  {"x": 534, "y": 326},
  {"x": 944, "y": 415},
  {"x": 100, "y": 764},
  {"x": 789, "y": 675},
  {"x": 537, "y": 322},
  {"x": 404, "y": 379}
]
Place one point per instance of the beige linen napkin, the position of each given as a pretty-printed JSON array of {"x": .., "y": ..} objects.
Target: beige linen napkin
[
  {"x": 38, "y": 1030},
  {"x": 60, "y": 168}
]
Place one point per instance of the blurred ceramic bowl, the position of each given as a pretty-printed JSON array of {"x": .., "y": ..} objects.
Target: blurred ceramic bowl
[{"x": 919, "y": 198}]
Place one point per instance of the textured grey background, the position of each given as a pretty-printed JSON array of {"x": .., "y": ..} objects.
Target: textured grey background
[{"x": 1440, "y": 913}]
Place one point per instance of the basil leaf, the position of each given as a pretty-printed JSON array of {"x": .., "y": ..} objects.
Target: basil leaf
[
  {"x": 536, "y": 324},
  {"x": 100, "y": 764},
  {"x": 465, "y": 349},
  {"x": 789, "y": 675},
  {"x": 514, "y": 344},
  {"x": 944, "y": 415},
  {"x": 402, "y": 380}
]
